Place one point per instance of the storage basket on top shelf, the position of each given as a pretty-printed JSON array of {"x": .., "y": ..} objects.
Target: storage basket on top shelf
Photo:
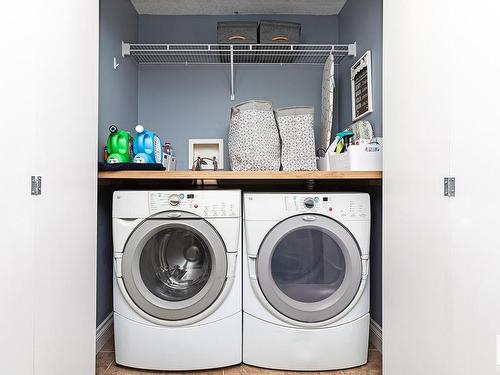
[
  {"x": 271, "y": 32},
  {"x": 236, "y": 32},
  {"x": 279, "y": 33}
]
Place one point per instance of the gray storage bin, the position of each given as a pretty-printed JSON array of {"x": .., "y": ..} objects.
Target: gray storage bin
[
  {"x": 236, "y": 32},
  {"x": 233, "y": 32},
  {"x": 279, "y": 32},
  {"x": 276, "y": 33}
]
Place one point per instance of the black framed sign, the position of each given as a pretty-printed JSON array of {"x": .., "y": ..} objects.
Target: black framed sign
[{"x": 361, "y": 87}]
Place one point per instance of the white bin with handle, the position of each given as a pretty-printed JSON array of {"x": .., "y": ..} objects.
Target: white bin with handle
[{"x": 366, "y": 156}]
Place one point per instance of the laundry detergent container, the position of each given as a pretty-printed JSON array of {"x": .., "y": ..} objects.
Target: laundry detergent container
[
  {"x": 253, "y": 140},
  {"x": 296, "y": 127}
]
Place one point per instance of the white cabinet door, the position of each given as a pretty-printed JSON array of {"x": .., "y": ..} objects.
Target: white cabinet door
[
  {"x": 65, "y": 255},
  {"x": 17, "y": 123},
  {"x": 475, "y": 210},
  {"x": 416, "y": 227},
  {"x": 48, "y": 112},
  {"x": 441, "y": 255}
]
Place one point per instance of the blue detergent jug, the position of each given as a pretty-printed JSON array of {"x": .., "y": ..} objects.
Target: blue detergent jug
[{"x": 147, "y": 146}]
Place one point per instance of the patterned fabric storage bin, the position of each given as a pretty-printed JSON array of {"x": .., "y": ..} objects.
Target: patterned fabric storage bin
[
  {"x": 253, "y": 140},
  {"x": 296, "y": 127}
]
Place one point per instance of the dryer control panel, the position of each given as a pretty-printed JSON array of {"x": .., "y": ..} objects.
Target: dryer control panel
[{"x": 341, "y": 206}]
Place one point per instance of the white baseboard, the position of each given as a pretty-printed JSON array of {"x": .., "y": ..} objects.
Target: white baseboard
[
  {"x": 103, "y": 333},
  {"x": 376, "y": 335}
]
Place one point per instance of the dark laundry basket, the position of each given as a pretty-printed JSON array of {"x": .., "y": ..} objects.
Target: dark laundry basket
[
  {"x": 278, "y": 33},
  {"x": 236, "y": 32}
]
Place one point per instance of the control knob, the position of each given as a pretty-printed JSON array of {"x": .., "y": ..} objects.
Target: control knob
[
  {"x": 309, "y": 202},
  {"x": 174, "y": 200}
]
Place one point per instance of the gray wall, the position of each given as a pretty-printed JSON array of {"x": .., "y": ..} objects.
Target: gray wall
[
  {"x": 117, "y": 88},
  {"x": 117, "y": 105},
  {"x": 361, "y": 20},
  {"x": 181, "y": 102}
]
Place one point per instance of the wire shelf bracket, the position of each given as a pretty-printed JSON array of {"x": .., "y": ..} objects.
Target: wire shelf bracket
[{"x": 237, "y": 54}]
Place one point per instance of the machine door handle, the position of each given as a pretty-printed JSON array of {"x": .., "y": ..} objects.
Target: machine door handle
[
  {"x": 118, "y": 266},
  {"x": 365, "y": 263},
  {"x": 231, "y": 264},
  {"x": 252, "y": 260}
]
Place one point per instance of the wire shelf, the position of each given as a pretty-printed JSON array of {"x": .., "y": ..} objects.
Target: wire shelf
[
  {"x": 199, "y": 54},
  {"x": 235, "y": 54}
]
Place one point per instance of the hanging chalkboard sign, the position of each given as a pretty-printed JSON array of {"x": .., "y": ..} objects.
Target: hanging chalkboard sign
[{"x": 361, "y": 87}]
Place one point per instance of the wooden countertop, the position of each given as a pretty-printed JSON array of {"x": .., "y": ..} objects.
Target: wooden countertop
[{"x": 246, "y": 175}]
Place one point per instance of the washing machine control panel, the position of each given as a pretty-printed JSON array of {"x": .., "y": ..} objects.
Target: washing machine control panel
[
  {"x": 197, "y": 203},
  {"x": 327, "y": 205}
]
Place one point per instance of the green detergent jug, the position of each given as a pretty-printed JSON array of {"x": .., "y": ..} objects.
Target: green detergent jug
[{"x": 119, "y": 146}]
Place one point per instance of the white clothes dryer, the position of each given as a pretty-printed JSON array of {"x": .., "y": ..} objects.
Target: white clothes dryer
[
  {"x": 305, "y": 280},
  {"x": 177, "y": 280}
]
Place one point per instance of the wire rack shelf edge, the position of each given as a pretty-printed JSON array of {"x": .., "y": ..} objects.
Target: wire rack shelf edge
[{"x": 236, "y": 54}]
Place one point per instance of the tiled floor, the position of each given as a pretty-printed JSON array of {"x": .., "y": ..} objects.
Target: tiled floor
[{"x": 105, "y": 365}]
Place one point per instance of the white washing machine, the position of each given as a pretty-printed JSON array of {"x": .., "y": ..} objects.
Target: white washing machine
[
  {"x": 306, "y": 295},
  {"x": 177, "y": 284}
]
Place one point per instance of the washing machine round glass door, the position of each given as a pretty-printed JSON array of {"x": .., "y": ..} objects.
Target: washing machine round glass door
[
  {"x": 174, "y": 266},
  {"x": 309, "y": 268}
]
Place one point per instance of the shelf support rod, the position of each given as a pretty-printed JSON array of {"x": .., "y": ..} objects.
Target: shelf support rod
[{"x": 232, "y": 72}]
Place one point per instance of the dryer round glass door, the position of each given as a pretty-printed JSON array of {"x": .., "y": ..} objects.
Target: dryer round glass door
[
  {"x": 309, "y": 268},
  {"x": 174, "y": 269}
]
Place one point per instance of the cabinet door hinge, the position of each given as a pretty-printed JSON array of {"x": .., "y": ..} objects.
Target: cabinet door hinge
[
  {"x": 36, "y": 185},
  {"x": 449, "y": 186}
]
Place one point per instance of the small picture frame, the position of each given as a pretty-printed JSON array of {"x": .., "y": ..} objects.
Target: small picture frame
[
  {"x": 206, "y": 149},
  {"x": 361, "y": 87}
]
